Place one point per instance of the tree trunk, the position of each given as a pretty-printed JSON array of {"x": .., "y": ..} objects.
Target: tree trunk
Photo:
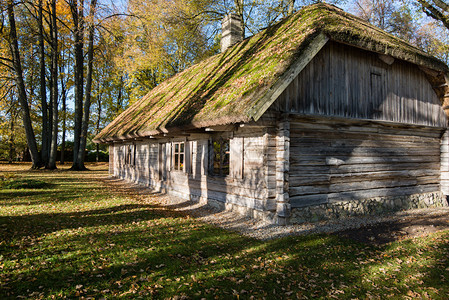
[
  {"x": 78, "y": 21},
  {"x": 11, "y": 140},
  {"x": 17, "y": 64},
  {"x": 54, "y": 89},
  {"x": 119, "y": 96},
  {"x": 98, "y": 124},
  {"x": 64, "y": 117},
  {"x": 90, "y": 57},
  {"x": 43, "y": 90}
]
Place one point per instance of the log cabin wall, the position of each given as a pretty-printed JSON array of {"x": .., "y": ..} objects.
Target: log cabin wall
[
  {"x": 343, "y": 81},
  {"x": 445, "y": 164},
  {"x": 333, "y": 161},
  {"x": 361, "y": 128},
  {"x": 250, "y": 187}
]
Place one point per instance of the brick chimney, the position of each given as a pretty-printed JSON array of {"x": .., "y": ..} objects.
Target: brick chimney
[{"x": 231, "y": 31}]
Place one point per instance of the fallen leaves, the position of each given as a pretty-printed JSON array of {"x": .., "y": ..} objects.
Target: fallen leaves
[{"x": 100, "y": 241}]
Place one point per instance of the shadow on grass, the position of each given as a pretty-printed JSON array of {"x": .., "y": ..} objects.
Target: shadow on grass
[
  {"x": 132, "y": 249},
  {"x": 166, "y": 257},
  {"x": 15, "y": 227}
]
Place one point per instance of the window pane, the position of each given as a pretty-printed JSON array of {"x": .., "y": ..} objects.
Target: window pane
[
  {"x": 225, "y": 166},
  {"x": 181, "y": 161},
  {"x": 176, "y": 162},
  {"x": 216, "y": 157},
  {"x": 176, "y": 148},
  {"x": 182, "y": 147},
  {"x": 221, "y": 157}
]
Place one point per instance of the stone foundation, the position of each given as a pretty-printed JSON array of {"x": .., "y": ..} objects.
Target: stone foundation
[{"x": 373, "y": 206}]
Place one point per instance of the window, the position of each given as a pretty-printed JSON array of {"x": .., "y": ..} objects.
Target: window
[
  {"x": 220, "y": 157},
  {"x": 178, "y": 156},
  {"x": 128, "y": 154},
  {"x": 134, "y": 155}
]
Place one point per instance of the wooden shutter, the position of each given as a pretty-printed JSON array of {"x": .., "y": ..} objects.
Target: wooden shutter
[
  {"x": 236, "y": 157},
  {"x": 187, "y": 157}
]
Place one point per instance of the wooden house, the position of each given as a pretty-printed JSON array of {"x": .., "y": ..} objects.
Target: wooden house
[{"x": 320, "y": 116}]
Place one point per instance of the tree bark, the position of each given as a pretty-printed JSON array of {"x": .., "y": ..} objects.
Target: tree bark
[
  {"x": 18, "y": 72},
  {"x": 98, "y": 124},
  {"x": 43, "y": 90},
  {"x": 78, "y": 22},
  {"x": 87, "y": 98},
  {"x": 54, "y": 89},
  {"x": 11, "y": 140},
  {"x": 64, "y": 118}
]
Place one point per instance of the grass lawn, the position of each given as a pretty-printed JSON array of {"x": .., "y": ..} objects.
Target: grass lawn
[{"x": 68, "y": 234}]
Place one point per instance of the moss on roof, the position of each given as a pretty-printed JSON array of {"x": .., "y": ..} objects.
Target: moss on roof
[{"x": 224, "y": 88}]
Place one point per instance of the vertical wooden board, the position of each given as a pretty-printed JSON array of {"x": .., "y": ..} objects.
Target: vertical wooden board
[
  {"x": 337, "y": 83},
  {"x": 162, "y": 161},
  {"x": 111, "y": 160},
  {"x": 294, "y": 94},
  {"x": 204, "y": 157},
  {"x": 236, "y": 157},
  {"x": 284, "y": 105},
  {"x": 187, "y": 157},
  {"x": 194, "y": 158},
  {"x": 348, "y": 90},
  {"x": 169, "y": 158},
  {"x": 301, "y": 101}
]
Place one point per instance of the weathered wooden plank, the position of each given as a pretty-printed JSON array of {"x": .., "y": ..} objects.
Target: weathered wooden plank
[
  {"x": 362, "y": 151},
  {"x": 303, "y": 201},
  {"x": 236, "y": 157},
  {"x": 301, "y": 180},
  {"x": 383, "y": 192},
  {"x": 352, "y": 187},
  {"x": 387, "y": 159}
]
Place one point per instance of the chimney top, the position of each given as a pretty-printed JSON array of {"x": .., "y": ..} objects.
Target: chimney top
[{"x": 231, "y": 31}]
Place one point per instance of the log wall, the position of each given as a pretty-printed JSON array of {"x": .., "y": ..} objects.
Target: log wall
[
  {"x": 331, "y": 161},
  {"x": 445, "y": 163},
  {"x": 251, "y": 183}
]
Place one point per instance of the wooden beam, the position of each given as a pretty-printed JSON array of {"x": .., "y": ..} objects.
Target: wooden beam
[
  {"x": 284, "y": 81},
  {"x": 220, "y": 128},
  {"x": 440, "y": 86},
  {"x": 428, "y": 71},
  {"x": 389, "y": 60}
]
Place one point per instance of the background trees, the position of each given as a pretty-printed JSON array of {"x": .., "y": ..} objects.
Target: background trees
[{"x": 68, "y": 67}]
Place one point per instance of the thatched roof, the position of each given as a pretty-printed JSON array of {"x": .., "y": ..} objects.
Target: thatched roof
[{"x": 237, "y": 86}]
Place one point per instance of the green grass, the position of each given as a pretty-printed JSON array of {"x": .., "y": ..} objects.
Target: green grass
[{"x": 79, "y": 237}]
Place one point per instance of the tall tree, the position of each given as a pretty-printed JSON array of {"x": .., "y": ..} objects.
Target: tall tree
[
  {"x": 43, "y": 87},
  {"x": 54, "y": 85},
  {"x": 64, "y": 115},
  {"x": 88, "y": 91},
  {"x": 77, "y": 10},
  {"x": 19, "y": 79}
]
